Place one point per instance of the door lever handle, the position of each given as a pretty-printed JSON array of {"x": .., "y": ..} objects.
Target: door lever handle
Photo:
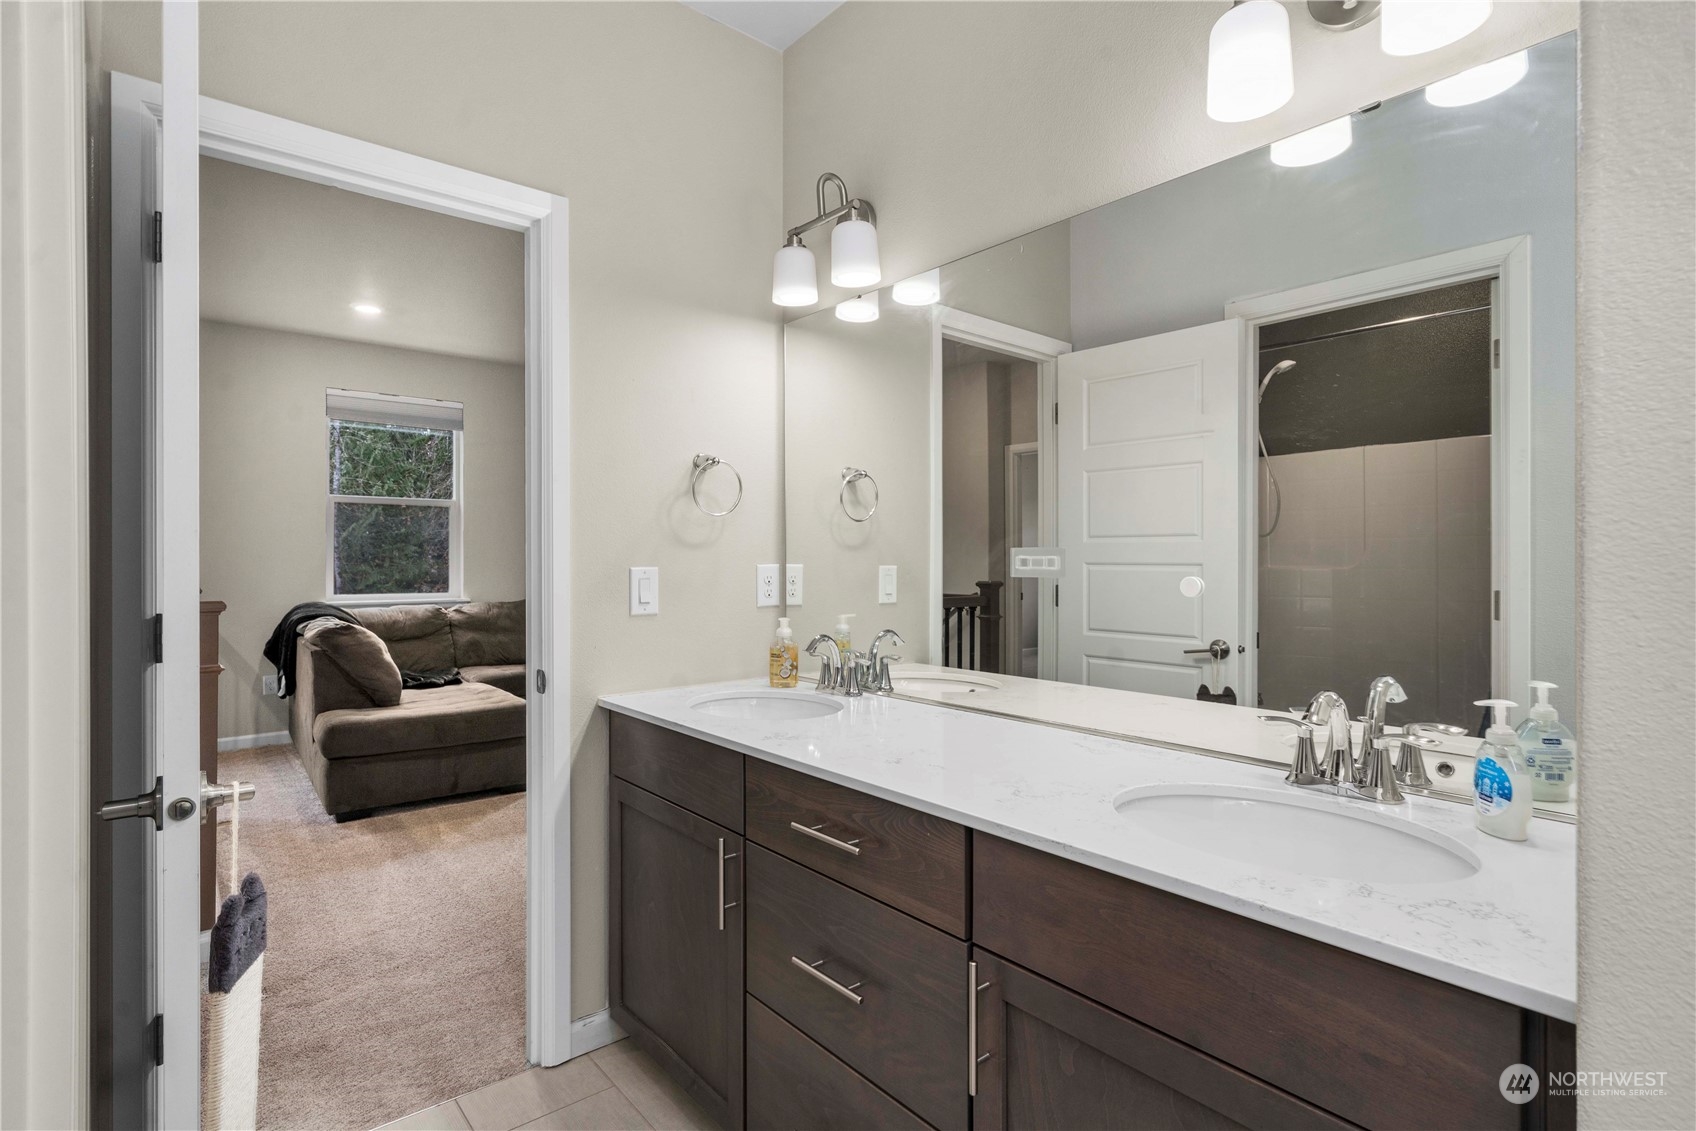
[{"x": 149, "y": 804}]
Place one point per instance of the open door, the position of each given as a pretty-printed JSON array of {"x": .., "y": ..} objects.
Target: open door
[{"x": 1149, "y": 444}]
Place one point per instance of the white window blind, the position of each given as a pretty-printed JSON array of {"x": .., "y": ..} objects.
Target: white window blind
[{"x": 397, "y": 411}]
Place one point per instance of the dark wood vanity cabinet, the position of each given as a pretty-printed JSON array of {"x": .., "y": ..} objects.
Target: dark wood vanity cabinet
[
  {"x": 675, "y": 922},
  {"x": 901, "y": 971}
]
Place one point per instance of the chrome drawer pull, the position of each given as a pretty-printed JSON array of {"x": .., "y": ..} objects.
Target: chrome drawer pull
[
  {"x": 973, "y": 989},
  {"x": 848, "y": 846},
  {"x": 813, "y": 969},
  {"x": 722, "y": 905}
]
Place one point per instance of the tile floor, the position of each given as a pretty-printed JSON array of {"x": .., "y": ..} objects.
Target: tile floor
[{"x": 617, "y": 1088}]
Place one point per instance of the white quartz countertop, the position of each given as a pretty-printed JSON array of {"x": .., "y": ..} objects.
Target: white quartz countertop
[{"x": 1508, "y": 931}]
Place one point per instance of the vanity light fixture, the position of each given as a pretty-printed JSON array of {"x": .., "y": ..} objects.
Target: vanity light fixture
[
  {"x": 860, "y": 308},
  {"x": 1310, "y": 147},
  {"x": 853, "y": 250},
  {"x": 369, "y": 309},
  {"x": 1478, "y": 83},
  {"x": 1413, "y": 27},
  {"x": 1249, "y": 69},
  {"x": 920, "y": 290}
]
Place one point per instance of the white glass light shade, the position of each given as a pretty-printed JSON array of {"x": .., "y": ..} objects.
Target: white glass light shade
[
  {"x": 860, "y": 308},
  {"x": 853, "y": 254},
  {"x": 1310, "y": 147},
  {"x": 1249, "y": 71},
  {"x": 920, "y": 290},
  {"x": 794, "y": 277},
  {"x": 1413, "y": 27},
  {"x": 1483, "y": 81}
]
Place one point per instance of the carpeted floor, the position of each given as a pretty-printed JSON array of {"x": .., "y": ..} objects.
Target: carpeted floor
[{"x": 394, "y": 970}]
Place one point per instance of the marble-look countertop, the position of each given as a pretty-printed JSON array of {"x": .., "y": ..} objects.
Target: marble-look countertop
[{"x": 1508, "y": 931}]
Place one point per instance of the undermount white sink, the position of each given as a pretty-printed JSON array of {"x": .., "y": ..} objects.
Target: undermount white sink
[
  {"x": 767, "y": 705},
  {"x": 941, "y": 682},
  {"x": 1297, "y": 831}
]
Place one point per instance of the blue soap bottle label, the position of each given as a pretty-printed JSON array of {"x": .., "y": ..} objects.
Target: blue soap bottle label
[{"x": 1492, "y": 789}]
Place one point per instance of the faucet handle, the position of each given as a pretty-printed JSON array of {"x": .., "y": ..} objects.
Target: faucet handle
[
  {"x": 1410, "y": 763},
  {"x": 1304, "y": 768}
]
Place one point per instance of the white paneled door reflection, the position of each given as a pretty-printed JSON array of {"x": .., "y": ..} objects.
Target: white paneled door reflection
[{"x": 1149, "y": 444}]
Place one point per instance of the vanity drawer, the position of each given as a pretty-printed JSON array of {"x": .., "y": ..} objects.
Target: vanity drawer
[
  {"x": 1372, "y": 1043},
  {"x": 907, "y": 1032},
  {"x": 702, "y": 778},
  {"x": 907, "y": 859},
  {"x": 793, "y": 1082}
]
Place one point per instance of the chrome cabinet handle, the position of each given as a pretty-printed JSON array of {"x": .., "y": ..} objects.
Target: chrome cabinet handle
[
  {"x": 848, "y": 846},
  {"x": 722, "y": 905},
  {"x": 813, "y": 969},
  {"x": 973, "y": 989}
]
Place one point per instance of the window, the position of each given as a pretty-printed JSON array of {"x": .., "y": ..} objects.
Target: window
[{"x": 394, "y": 496}]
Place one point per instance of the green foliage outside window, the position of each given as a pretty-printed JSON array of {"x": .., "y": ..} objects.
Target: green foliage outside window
[{"x": 390, "y": 547}]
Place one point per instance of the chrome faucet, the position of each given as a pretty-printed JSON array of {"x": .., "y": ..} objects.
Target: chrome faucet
[
  {"x": 830, "y": 664},
  {"x": 1375, "y": 776},
  {"x": 877, "y": 664},
  {"x": 1328, "y": 710}
]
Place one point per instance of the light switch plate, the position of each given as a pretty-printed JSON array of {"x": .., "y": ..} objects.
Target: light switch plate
[
  {"x": 1036, "y": 561},
  {"x": 886, "y": 585},
  {"x": 765, "y": 586},
  {"x": 268, "y": 684},
  {"x": 792, "y": 587},
  {"x": 644, "y": 591}
]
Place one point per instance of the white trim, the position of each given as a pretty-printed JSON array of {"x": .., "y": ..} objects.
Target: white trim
[
  {"x": 261, "y": 141},
  {"x": 976, "y": 330},
  {"x": 1011, "y": 659},
  {"x": 252, "y": 741},
  {"x": 1509, "y": 262},
  {"x": 596, "y": 1031}
]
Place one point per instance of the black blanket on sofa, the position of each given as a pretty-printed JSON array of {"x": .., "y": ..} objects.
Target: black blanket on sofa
[{"x": 280, "y": 649}]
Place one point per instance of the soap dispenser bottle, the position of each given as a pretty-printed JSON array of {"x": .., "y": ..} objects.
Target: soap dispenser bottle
[
  {"x": 1501, "y": 781},
  {"x": 1550, "y": 750},
  {"x": 785, "y": 661},
  {"x": 844, "y": 636}
]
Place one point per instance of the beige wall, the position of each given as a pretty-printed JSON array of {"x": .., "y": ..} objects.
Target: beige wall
[
  {"x": 263, "y": 477},
  {"x": 991, "y": 158},
  {"x": 1637, "y": 546},
  {"x": 632, "y": 111},
  {"x": 858, "y": 395}
]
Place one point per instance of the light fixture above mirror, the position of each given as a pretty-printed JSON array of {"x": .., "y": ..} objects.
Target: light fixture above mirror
[
  {"x": 853, "y": 250},
  {"x": 920, "y": 290},
  {"x": 860, "y": 308}
]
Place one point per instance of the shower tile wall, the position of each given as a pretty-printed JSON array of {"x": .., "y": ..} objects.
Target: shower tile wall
[{"x": 1380, "y": 564}]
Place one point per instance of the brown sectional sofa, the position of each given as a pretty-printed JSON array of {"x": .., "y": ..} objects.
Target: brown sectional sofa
[{"x": 436, "y": 742}]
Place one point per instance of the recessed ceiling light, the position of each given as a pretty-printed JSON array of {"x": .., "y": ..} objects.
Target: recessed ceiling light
[{"x": 369, "y": 309}]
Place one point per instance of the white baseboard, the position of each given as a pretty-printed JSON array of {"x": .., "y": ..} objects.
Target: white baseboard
[
  {"x": 248, "y": 741},
  {"x": 594, "y": 1031}
]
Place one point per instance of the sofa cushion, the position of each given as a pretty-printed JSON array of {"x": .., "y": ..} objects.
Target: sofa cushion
[
  {"x": 507, "y": 677},
  {"x": 360, "y": 656},
  {"x": 418, "y": 636},
  {"x": 460, "y": 715},
  {"x": 487, "y": 632}
]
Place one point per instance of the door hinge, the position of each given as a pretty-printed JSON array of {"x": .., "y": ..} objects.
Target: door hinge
[
  {"x": 156, "y": 646},
  {"x": 1496, "y": 354},
  {"x": 1496, "y": 605},
  {"x": 158, "y": 1034},
  {"x": 1056, "y": 414},
  {"x": 1057, "y": 596},
  {"x": 158, "y": 237}
]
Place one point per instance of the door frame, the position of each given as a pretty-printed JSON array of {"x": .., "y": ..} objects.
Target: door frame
[
  {"x": 263, "y": 141},
  {"x": 976, "y": 330},
  {"x": 1509, "y": 263},
  {"x": 1011, "y": 453}
]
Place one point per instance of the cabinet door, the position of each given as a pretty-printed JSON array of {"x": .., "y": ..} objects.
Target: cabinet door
[
  {"x": 1048, "y": 1058},
  {"x": 675, "y": 938}
]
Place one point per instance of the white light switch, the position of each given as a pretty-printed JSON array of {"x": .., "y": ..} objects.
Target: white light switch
[
  {"x": 765, "y": 586},
  {"x": 792, "y": 588},
  {"x": 644, "y": 591},
  {"x": 886, "y": 585}
]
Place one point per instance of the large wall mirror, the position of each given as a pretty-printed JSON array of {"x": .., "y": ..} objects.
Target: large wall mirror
[{"x": 1283, "y": 425}]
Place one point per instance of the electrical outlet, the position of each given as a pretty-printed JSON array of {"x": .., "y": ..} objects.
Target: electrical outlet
[
  {"x": 765, "y": 586},
  {"x": 268, "y": 684},
  {"x": 886, "y": 585},
  {"x": 644, "y": 591},
  {"x": 792, "y": 588}
]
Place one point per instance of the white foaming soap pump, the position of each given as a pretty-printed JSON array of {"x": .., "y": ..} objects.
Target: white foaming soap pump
[
  {"x": 1550, "y": 749},
  {"x": 1501, "y": 781}
]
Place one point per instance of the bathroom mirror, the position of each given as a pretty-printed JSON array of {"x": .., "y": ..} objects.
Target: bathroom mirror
[{"x": 1286, "y": 424}]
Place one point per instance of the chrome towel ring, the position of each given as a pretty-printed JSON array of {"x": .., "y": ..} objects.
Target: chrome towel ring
[
  {"x": 703, "y": 464},
  {"x": 850, "y": 476}
]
